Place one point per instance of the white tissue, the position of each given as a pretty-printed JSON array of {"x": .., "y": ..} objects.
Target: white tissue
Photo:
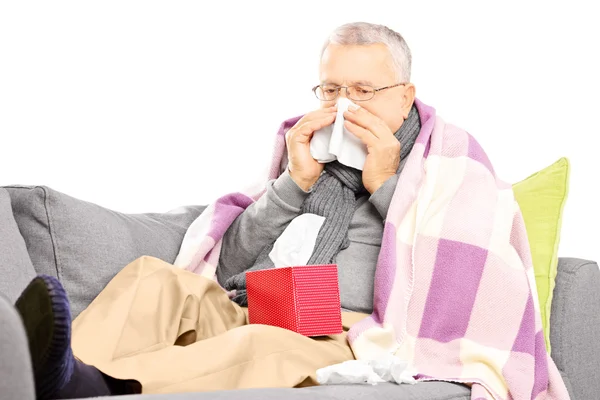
[
  {"x": 392, "y": 369},
  {"x": 385, "y": 369},
  {"x": 297, "y": 242},
  {"x": 348, "y": 372},
  {"x": 334, "y": 142}
]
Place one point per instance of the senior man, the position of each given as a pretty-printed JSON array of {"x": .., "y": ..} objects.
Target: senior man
[{"x": 159, "y": 328}]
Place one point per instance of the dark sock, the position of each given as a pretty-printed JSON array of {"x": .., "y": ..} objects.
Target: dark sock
[
  {"x": 85, "y": 381},
  {"x": 44, "y": 308}
]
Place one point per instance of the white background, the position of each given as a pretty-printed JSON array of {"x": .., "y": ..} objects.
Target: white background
[{"x": 146, "y": 106}]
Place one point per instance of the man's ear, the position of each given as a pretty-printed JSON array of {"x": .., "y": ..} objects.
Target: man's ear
[{"x": 409, "y": 99}]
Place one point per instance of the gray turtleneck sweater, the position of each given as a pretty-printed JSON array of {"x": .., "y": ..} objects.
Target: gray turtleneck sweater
[{"x": 266, "y": 219}]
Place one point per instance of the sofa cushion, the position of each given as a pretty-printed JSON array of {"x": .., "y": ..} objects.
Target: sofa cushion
[
  {"x": 576, "y": 326},
  {"x": 16, "y": 379},
  {"x": 382, "y": 391},
  {"x": 542, "y": 198},
  {"x": 16, "y": 269},
  {"x": 85, "y": 245}
]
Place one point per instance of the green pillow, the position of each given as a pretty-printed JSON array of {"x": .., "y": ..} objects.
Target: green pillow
[{"x": 541, "y": 198}]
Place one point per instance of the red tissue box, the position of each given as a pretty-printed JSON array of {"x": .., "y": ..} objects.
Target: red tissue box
[{"x": 304, "y": 299}]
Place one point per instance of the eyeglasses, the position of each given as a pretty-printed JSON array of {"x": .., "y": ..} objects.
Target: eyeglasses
[{"x": 354, "y": 92}]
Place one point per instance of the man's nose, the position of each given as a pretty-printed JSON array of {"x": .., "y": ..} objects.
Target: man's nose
[{"x": 343, "y": 92}]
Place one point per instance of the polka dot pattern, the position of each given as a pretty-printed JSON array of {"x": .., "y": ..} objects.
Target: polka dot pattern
[{"x": 304, "y": 299}]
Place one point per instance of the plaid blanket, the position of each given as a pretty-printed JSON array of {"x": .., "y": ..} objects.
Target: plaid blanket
[{"x": 455, "y": 291}]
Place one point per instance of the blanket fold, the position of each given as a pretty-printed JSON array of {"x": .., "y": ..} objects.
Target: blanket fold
[{"x": 454, "y": 290}]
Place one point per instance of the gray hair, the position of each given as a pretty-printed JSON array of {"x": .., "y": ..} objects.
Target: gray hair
[{"x": 364, "y": 33}]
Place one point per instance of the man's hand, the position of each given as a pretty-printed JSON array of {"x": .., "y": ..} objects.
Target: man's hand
[
  {"x": 383, "y": 148},
  {"x": 304, "y": 169}
]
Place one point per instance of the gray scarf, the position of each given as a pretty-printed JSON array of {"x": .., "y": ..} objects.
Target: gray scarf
[{"x": 333, "y": 196}]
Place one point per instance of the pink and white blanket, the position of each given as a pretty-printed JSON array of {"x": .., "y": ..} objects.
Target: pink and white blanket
[{"x": 455, "y": 291}]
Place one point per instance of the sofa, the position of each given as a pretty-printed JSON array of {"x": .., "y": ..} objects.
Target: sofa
[{"x": 85, "y": 245}]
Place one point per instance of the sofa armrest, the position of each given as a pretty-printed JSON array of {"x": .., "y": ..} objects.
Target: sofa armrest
[
  {"x": 575, "y": 326},
  {"x": 16, "y": 377}
]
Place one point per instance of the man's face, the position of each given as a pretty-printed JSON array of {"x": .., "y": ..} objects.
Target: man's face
[{"x": 372, "y": 64}]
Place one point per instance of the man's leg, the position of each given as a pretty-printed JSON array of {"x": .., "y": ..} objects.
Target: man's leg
[
  {"x": 45, "y": 312},
  {"x": 250, "y": 356},
  {"x": 148, "y": 306},
  {"x": 133, "y": 328}
]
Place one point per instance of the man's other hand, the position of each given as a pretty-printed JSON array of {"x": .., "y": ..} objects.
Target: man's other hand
[
  {"x": 383, "y": 148},
  {"x": 304, "y": 169}
]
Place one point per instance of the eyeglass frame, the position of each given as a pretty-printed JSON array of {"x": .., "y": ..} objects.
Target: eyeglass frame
[{"x": 338, "y": 88}]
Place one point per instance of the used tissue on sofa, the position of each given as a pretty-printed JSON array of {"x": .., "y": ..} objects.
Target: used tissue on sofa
[{"x": 384, "y": 369}]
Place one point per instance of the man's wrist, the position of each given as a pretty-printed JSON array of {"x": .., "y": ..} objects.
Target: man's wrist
[
  {"x": 289, "y": 191},
  {"x": 378, "y": 184},
  {"x": 374, "y": 186},
  {"x": 382, "y": 197},
  {"x": 303, "y": 183}
]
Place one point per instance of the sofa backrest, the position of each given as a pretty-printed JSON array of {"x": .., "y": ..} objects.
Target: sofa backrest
[
  {"x": 16, "y": 269},
  {"x": 84, "y": 244}
]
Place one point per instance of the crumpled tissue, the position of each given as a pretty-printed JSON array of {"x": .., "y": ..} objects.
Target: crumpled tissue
[
  {"x": 387, "y": 368},
  {"x": 335, "y": 142}
]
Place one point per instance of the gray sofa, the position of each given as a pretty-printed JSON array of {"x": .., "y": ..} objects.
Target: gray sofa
[{"x": 85, "y": 245}]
